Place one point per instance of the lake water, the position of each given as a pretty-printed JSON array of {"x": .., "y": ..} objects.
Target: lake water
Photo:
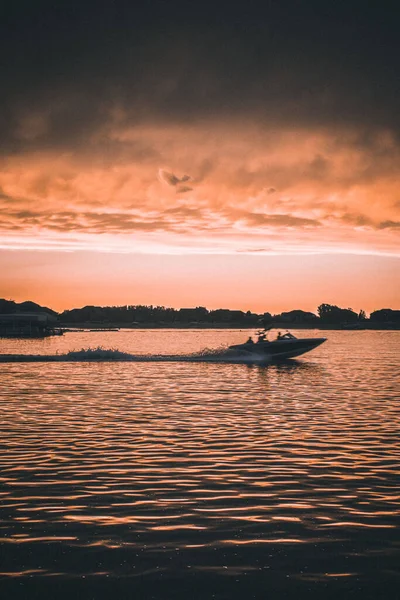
[{"x": 194, "y": 479}]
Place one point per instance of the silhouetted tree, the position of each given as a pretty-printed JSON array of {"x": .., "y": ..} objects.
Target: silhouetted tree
[
  {"x": 266, "y": 319},
  {"x": 332, "y": 314},
  {"x": 385, "y": 315},
  {"x": 296, "y": 316}
]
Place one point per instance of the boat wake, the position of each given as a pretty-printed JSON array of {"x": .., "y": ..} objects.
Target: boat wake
[{"x": 100, "y": 354}]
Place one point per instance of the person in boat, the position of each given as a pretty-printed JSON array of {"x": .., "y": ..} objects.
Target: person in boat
[
  {"x": 250, "y": 340},
  {"x": 279, "y": 336},
  {"x": 262, "y": 337}
]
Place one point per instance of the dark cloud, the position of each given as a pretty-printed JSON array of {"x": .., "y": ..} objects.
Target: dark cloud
[
  {"x": 389, "y": 225},
  {"x": 87, "y": 222},
  {"x": 185, "y": 212},
  {"x": 180, "y": 219},
  {"x": 255, "y": 250},
  {"x": 279, "y": 220},
  {"x": 296, "y": 63},
  {"x": 174, "y": 181},
  {"x": 355, "y": 219}
]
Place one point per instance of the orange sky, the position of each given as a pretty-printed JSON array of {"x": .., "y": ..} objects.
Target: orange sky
[
  {"x": 213, "y": 154},
  {"x": 259, "y": 283},
  {"x": 217, "y": 214}
]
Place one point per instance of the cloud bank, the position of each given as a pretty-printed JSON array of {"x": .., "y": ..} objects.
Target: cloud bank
[{"x": 142, "y": 128}]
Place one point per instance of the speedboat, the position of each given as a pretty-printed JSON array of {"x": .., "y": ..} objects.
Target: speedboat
[{"x": 284, "y": 346}]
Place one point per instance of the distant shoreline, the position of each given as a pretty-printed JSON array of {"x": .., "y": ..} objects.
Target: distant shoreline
[
  {"x": 29, "y": 316},
  {"x": 112, "y": 326}
]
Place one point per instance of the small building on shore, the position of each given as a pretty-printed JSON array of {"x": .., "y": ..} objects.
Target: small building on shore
[{"x": 27, "y": 324}]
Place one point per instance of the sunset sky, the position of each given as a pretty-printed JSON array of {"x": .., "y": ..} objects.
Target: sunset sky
[{"x": 218, "y": 154}]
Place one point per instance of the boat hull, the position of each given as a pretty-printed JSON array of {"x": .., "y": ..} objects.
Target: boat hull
[{"x": 279, "y": 349}]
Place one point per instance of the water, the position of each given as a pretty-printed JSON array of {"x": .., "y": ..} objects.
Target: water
[{"x": 200, "y": 479}]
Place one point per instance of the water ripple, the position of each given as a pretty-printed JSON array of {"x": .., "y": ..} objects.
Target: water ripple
[{"x": 129, "y": 469}]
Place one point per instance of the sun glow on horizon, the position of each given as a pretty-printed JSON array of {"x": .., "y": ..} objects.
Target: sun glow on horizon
[{"x": 260, "y": 283}]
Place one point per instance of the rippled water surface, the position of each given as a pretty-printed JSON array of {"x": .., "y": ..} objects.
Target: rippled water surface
[{"x": 200, "y": 480}]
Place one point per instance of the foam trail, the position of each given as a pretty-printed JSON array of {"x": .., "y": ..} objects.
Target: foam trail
[{"x": 114, "y": 355}]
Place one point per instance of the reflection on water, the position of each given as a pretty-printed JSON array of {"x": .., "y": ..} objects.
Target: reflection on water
[{"x": 211, "y": 480}]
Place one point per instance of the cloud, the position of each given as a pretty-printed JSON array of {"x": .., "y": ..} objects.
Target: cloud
[
  {"x": 250, "y": 187},
  {"x": 389, "y": 225},
  {"x": 174, "y": 181},
  {"x": 183, "y": 189},
  {"x": 255, "y": 250},
  {"x": 278, "y": 220},
  {"x": 280, "y": 65}
]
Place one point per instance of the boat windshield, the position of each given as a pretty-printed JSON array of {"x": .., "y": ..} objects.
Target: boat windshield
[{"x": 287, "y": 336}]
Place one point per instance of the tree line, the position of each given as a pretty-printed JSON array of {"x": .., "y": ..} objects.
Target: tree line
[{"x": 137, "y": 314}]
